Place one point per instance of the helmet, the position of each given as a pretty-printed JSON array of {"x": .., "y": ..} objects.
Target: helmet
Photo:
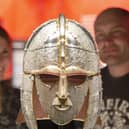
[{"x": 61, "y": 66}]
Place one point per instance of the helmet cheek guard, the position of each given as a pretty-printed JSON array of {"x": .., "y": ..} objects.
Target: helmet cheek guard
[{"x": 61, "y": 66}]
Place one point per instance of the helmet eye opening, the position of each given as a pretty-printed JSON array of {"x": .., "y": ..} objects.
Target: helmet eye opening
[{"x": 73, "y": 80}]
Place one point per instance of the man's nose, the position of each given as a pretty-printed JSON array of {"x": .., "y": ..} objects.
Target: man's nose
[{"x": 107, "y": 40}]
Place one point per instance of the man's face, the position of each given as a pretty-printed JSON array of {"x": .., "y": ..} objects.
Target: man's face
[
  {"x": 112, "y": 37},
  {"x": 4, "y": 56}
]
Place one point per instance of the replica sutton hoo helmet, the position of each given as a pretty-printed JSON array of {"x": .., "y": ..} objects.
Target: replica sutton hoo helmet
[{"x": 61, "y": 64}]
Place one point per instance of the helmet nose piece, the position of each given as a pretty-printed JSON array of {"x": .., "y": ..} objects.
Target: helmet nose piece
[{"x": 63, "y": 98}]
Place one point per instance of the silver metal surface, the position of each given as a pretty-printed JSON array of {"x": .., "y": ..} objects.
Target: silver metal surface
[{"x": 61, "y": 61}]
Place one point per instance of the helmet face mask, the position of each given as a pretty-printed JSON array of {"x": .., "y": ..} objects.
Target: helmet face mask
[{"x": 61, "y": 61}]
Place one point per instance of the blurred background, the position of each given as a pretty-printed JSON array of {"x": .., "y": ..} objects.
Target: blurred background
[{"x": 21, "y": 17}]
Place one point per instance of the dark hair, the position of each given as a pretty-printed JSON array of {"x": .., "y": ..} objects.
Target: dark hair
[
  {"x": 4, "y": 34},
  {"x": 114, "y": 10}
]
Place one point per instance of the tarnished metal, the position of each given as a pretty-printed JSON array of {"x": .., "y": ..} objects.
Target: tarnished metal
[{"x": 61, "y": 61}]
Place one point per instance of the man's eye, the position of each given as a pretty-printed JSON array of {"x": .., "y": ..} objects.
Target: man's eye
[
  {"x": 99, "y": 38},
  {"x": 117, "y": 33},
  {"x": 4, "y": 54},
  {"x": 76, "y": 80},
  {"x": 48, "y": 78}
]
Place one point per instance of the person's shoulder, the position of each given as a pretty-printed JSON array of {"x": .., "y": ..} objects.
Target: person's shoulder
[
  {"x": 9, "y": 89},
  {"x": 7, "y": 83},
  {"x": 104, "y": 70}
]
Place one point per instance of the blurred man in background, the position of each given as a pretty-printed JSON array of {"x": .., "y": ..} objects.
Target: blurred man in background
[{"x": 112, "y": 36}]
